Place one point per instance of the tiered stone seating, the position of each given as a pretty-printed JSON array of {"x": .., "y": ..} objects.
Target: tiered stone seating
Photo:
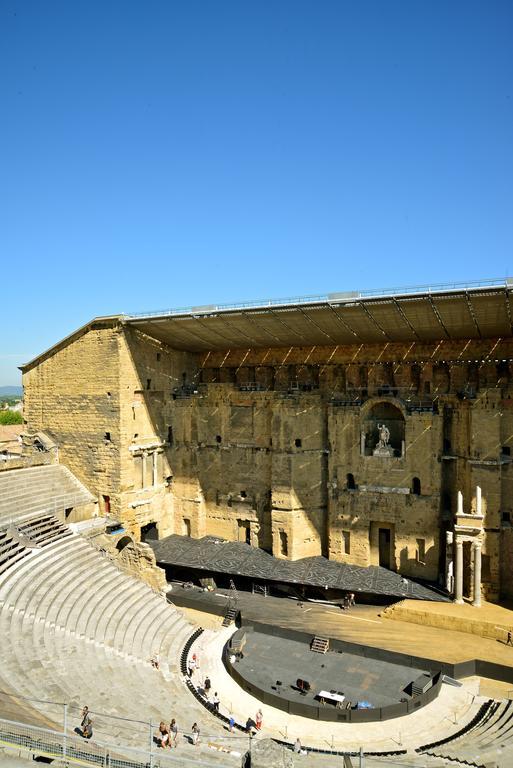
[
  {"x": 42, "y": 530},
  {"x": 488, "y": 738},
  {"x": 75, "y": 628},
  {"x": 10, "y": 550},
  {"x": 53, "y": 488}
]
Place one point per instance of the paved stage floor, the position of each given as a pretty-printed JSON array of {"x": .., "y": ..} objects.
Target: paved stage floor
[
  {"x": 267, "y": 659},
  {"x": 362, "y": 624}
]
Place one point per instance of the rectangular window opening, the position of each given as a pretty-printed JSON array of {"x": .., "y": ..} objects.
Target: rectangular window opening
[
  {"x": 298, "y": 442},
  {"x": 284, "y": 544},
  {"x": 148, "y": 383},
  {"x": 107, "y": 436},
  {"x": 421, "y": 550},
  {"x": 346, "y": 542}
]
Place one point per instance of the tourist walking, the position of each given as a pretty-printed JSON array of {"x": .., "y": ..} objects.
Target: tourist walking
[
  {"x": 259, "y": 719},
  {"x": 173, "y": 729},
  {"x": 231, "y": 723},
  {"x": 163, "y": 735},
  {"x": 192, "y": 666},
  {"x": 215, "y": 702},
  {"x": 208, "y": 685},
  {"x": 509, "y": 639},
  {"x": 195, "y": 733},
  {"x": 86, "y": 724}
]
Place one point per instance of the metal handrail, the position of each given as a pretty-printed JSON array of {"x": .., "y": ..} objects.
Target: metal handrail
[{"x": 331, "y": 298}]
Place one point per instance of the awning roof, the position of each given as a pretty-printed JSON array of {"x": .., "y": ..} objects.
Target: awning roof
[
  {"x": 218, "y": 556},
  {"x": 467, "y": 312}
]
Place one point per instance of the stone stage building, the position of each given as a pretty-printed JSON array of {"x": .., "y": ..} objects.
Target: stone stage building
[{"x": 374, "y": 429}]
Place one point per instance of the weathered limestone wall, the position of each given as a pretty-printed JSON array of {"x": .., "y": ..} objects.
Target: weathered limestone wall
[
  {"x": 73, "y": 395},
  {"x": 149, "y": 372},
  {"x": 277, "y": 447}
]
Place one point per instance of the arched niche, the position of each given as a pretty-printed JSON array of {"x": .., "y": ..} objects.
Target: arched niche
[
  {"x": 124, "y": 542},
  {"x": 382, "y": 430}
]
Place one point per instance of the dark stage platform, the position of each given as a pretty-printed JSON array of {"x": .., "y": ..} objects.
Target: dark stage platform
[
  {"x": 267, "y": 658},
  {"x": 211, "y": 556},
  {"x": 274, "y": 668}
]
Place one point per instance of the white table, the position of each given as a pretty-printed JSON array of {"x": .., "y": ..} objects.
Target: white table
[{"x": 338, "y": 698}]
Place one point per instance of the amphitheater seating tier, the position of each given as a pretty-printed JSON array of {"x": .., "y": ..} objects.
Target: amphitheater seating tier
[
  {"x": 34, "y": 490},
  {"x": 76, "y": 628}
]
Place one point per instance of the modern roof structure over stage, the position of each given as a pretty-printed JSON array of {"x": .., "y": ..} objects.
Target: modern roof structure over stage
[
  {"x": 425, "y": 313},
  {"x": 218, "y": 556},
  {"x": 470, "y": 310}
]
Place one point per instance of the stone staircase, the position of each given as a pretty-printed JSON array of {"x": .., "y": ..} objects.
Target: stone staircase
[{"x": 52, "y": 488}]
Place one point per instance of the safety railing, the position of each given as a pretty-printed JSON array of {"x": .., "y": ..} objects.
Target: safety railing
[{"x": 331, "y": 298}]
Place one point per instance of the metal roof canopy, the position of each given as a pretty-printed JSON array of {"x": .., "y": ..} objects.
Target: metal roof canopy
[
  {"x": 425, "y": 313},
  {"x": 214, "y": 555}
]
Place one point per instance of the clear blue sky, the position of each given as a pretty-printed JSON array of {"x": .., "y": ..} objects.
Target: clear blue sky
[{"x": 161, "y": 154}]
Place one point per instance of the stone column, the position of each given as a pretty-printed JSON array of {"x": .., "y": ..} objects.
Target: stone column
[
  {"x": 477, "y": 573},
  {"x": 362, "y": 443},
  {"x": 154, "y": 474},
  {"x": 143, "y": 470},
  {"x": 458, "y": 592},
  {"x": 449, "y": 567},
  {"x": 478, "y": 500},
  {"x": 460, "y": 503}
]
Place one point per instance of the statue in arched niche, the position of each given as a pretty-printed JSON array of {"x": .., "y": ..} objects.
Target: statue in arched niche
[
  {"x": 384, "y": 435},
  {"x": 383, "y": 448}
]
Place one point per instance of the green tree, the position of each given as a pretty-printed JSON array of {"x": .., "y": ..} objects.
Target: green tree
[{"x": 11, "y": 417}]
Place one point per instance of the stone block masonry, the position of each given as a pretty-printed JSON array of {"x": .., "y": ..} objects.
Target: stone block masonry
[{"x": 279, "y": 447}]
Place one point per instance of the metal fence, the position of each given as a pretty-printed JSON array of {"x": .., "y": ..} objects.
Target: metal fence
[
  {"x": 58, "y": 736},
  {"x": 75, "y": 750}
]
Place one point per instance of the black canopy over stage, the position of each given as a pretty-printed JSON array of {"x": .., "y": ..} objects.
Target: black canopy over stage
[{"x": 214, "y": 555}]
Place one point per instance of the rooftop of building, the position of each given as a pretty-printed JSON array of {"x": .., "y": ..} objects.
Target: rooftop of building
[{"x": 425, "y": 313}]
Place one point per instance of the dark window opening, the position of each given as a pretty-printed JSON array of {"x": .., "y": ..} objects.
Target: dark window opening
[
  {"x": 243, "y": 494},
  {"x": 415, "y": 486},
  {"x": 446, "y": 501},
  {"x": 108, "y": 394},
  {"x": 421, "y": 550},
  {"x": 67, "y": 512},
  {"x": 284, "y": 545},
  {"x": 218, "y": 438},
  {"x": 149, "y": 532},
  {"x": 447, "y": 445},
  {"x": 187, "y": 526},
  {"x": 346, "y": 542},
  {"x": 506, "y": 450},
  {"x": 486, "y": 574},
  {"x": 169, "y": 480},
  {"x": 170, "y": 435},
  {"x": 297, "y": 442},
  {"x": 350, "y": 483},
  {"x": 506, "y": 517},
  {"x": 106, "y": 504},
  {"x": 184, "y": 378},
  {"x": 427, "y": 387},
  {"x": 148, "y": 383},
  {"x": 158, "y": 357},
  {"x": 136, "y": 434},
  {"x": 107, "y": 436}
]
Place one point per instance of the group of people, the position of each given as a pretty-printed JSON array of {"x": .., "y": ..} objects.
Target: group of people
[
  {"x": 348, "y": 601},
  {"x": 167, "y": 736}
]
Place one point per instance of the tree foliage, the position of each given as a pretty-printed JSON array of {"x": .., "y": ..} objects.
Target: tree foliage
[{"x": 11, "y": 417}]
